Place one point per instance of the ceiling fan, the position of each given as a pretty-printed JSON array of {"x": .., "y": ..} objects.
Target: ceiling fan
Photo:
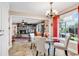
[{"x": 23, "y": 23}]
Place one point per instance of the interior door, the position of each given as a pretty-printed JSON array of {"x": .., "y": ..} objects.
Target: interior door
[
  {"x": 1, "y": 36},
  {"x": 0, "y": 32},
  {"x": 4, "y": 32}
]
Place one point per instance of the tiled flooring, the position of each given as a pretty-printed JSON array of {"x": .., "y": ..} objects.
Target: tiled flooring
[{"x": 22, "y": 48}]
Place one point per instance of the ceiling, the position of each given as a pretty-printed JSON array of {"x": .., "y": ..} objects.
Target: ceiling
[
  {"x": 38, "y": 9},
  {"x": 29, "y": 20}
]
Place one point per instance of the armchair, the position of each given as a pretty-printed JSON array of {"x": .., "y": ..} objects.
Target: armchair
[{"x": 62, "y": 46}]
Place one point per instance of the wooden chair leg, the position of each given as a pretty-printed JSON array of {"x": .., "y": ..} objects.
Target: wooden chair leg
[
  {"x": 54, "y": 51},
  {"x": 31, "y": 46},
  {"x": 66, "y": 52},
  {"x": 37, "y": 53}
]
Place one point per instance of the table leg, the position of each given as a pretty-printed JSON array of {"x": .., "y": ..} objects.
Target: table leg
[
  {"x": 54, "y": 52},
  {"x": 49, "y": 49}
]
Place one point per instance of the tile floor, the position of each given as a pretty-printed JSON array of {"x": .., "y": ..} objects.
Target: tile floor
[{"x": 22, "y": 48}]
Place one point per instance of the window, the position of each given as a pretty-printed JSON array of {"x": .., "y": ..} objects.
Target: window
[{"x": 69, "y": 24}]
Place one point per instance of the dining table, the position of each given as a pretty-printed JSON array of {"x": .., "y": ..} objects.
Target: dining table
[{"x": 50, "y": 42}]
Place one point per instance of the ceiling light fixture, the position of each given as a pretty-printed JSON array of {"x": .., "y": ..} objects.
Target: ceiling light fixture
[{"x": 52, "y": 11}]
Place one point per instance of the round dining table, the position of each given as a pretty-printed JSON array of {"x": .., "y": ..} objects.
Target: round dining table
[{"x": 51, "y": 46}]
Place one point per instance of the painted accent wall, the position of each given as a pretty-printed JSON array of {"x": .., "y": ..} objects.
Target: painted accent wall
[{"x": 56, "y": 26}]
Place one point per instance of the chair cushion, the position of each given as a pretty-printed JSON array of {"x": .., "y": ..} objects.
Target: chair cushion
[{"x": 59, "y": 45}]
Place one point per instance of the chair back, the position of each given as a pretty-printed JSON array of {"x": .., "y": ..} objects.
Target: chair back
[
  {"x": 67, "y": 40},
  {"x": 32, "y": 37},
  {"x": 40, "y": 44}
]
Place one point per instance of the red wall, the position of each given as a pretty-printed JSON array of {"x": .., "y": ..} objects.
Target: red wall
[
  {"x": 55, "y": 26},
  {"x": 78, "y": 29}
]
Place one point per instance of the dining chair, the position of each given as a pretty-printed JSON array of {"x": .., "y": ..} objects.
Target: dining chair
[
  {"x": 40, "y": 45},
  {"x": 63, "y": 46},
  {"x": 32, "y": 37},
  {"x": 33, "y": 42}
]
